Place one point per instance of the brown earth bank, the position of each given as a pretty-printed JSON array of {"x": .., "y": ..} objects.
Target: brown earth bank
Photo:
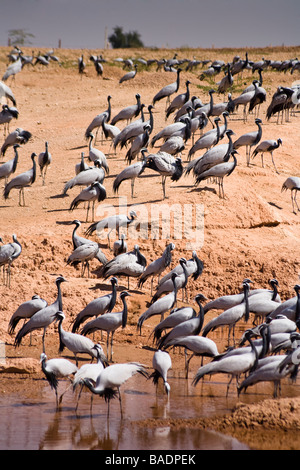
[{"x": 251, "y": 233}]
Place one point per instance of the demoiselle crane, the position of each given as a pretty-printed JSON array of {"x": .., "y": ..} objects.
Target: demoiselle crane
[
  {"x": 206, "y": 141},
  {"x": 22, "y": 181},
  {"x": 129, "y": 75},
  {"x": 25, "y": 311},
  {"x": 168, "y": 90},
  {"x": 192, "y": 326},
  {"x": 44, "y": 160},
  {"x": 6, "y": 115},
  {"x": 199, "y": 346},
  {"x": 111, "y": 378},
  {"x": 194, "y": 267},
  {"x": 129, "y": 264},
  {"x": 233, "y": 365},
  {"x": 134, "y": 129},
  {"x": 77, "y": 240},
  {"x": 249, "y": 140},
  {"x": 129, "y": 112},
  {"x": 96, "y": 154},
  {"x": 85, "y": 178},
  {"x": 293, "y": 184},
  {"x": 74, "y": 342},
  {"x": 96, "y": 192},
  {"x": 230, "y": 316},
  {"x": 167, "y": 166},
  {"x": 9, "y": 167},
  {"x": 97, "y": 121},
  {"x": 161, "y": 363},
  {"x": 98, "y": 306},
  {"x": 7, "y": 93},
  {"x": 18, "y": 136},
  {"x": 157, "y": 267},
  {"x": 167, "y": 286},
  {"x": 109, "y": 322},
  {"x": 161, "y": 306},
  {"x": 83, "y": 254},
  {"x": 140, "y": 142},
  {"x": 55, "y": 369},
  {"x": 43, "y": 318},
  {"x": 218, "y": 172},
  {"x": 113, "y": 222},
  {"x": 89, "y": 371},
  {"x": 179, "y": 100},
  {"x": 8, "y": 253},
  {"x": 130, "y": 173},
  {"x": 120, "y": 246},
  {"x": 267, "y": 146}
]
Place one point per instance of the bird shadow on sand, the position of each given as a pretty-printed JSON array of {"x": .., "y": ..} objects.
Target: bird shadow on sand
[
  {"x": 275, "y": 205},
  {"x": 204, "y": 188},
  {"x": 121, "y": 287}
]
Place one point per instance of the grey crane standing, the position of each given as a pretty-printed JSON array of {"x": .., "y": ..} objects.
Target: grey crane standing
[
  {"x": 120, "y": 246},
  {"x": 96, "y": 192},
  {"x": 167, "y": 166},
  {"x": 78, "y": 240},
  {"x": 9, "y": 167},
  {"x": 230, "y": 316},
  {"x": 18, "y": 136},
  {"x": 161, "y": 306},
  {"x": 74, "y": 342},
  {"x": 129, "y": 75},
  {"x": 111, "y": 378},
  {"x": 129, "y": 264},
  {"x": 85, "y": 178},
  {"x": 8, "y": 254},
  {"x": 44, "y": 160},
  {"x": 129, "y": 112},
  {"x": 114, "y": 222},
  {"x": 6, "y": 92},
  {"x": 293, "y": 184},
  {"x": 55, "y": 369},
  {"x": 96, "y": 154},
  {"x": 97, "y": 121},
  {"x": 168, "y": 90},
  {"x": 179, "y": 100},
  {"x": 130, "y": 173},
  {"x": 157, "y": 267},
  {"x": 24, "y": 180},
  {"x": 267, "y": 146},
  {"x": 192, "y": 326},
  {"x": 6, "y": 115},
  {"x": 249, "y": 140},
  {"x": 218, "y": 172},
  {"x": 98, "y": 306},
  {"x": 43, "y": 318},
  {"x": 25, "y": 311},
  {"x": 109, "y": 322},
  {"x": 83, "y": 254}
]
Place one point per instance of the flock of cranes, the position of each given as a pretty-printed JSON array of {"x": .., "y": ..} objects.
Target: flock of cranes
[{"x": 183, "y": 326}]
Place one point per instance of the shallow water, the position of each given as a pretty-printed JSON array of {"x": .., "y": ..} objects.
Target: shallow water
[{"x": 35, "y": 424}]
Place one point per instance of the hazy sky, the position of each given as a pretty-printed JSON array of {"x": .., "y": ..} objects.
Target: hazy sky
[{"x": 161, "y": 23}]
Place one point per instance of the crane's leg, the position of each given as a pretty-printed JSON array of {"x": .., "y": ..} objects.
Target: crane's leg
[
  {"x": 111, "y": 345},
  {"x": 262, "y": 160},
  {"x": 132, "y": 188},
  {"x": 87, "y": 212},
  {"x": 120, "y": 402},
  {"x": 163, "y": 182},
  {"x": 274, "y": 163},
  {"x": 107, "y": 346}
]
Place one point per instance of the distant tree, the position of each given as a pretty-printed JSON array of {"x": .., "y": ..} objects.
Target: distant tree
[
  {"x": 119, "y": 39},
  {"x": 19, "y": 37}
]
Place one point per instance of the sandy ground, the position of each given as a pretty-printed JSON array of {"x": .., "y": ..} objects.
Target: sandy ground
[{"x": 251, "y": 233}]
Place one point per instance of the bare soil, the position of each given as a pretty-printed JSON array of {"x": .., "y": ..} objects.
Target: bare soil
[{"x": 251, "y": 233}]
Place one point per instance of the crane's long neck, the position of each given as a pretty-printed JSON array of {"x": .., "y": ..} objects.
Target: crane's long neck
[
  {"x": 33, "y": 171},
  {"x": 151, "y": 120},
  {"x": 125, "y": 313},
  {"x": 253, "y": 349},
  {"x": 297, "y": 313},
  {"x": 74, "y": 234},
  {"x": 108, "y": 111},
  {"x": 60, "y": 333},
  {"x": 15, "y": 160},
  {"x": 186, "y": 276},
  {"x": 178, "y": 80},
  {"x": 259, "y": 133},
  {"x": 275, "y": 292},
  {"x": 59, "y": 296},
  {"x": 113, "y": 297},
  {"x": 187, "y": 94},
  {"x": 200, "y": 316},
  {"x": 246, "y": 301},
  {"x": 230, "y": 148},
  {"x": 266, "y": 338}
]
